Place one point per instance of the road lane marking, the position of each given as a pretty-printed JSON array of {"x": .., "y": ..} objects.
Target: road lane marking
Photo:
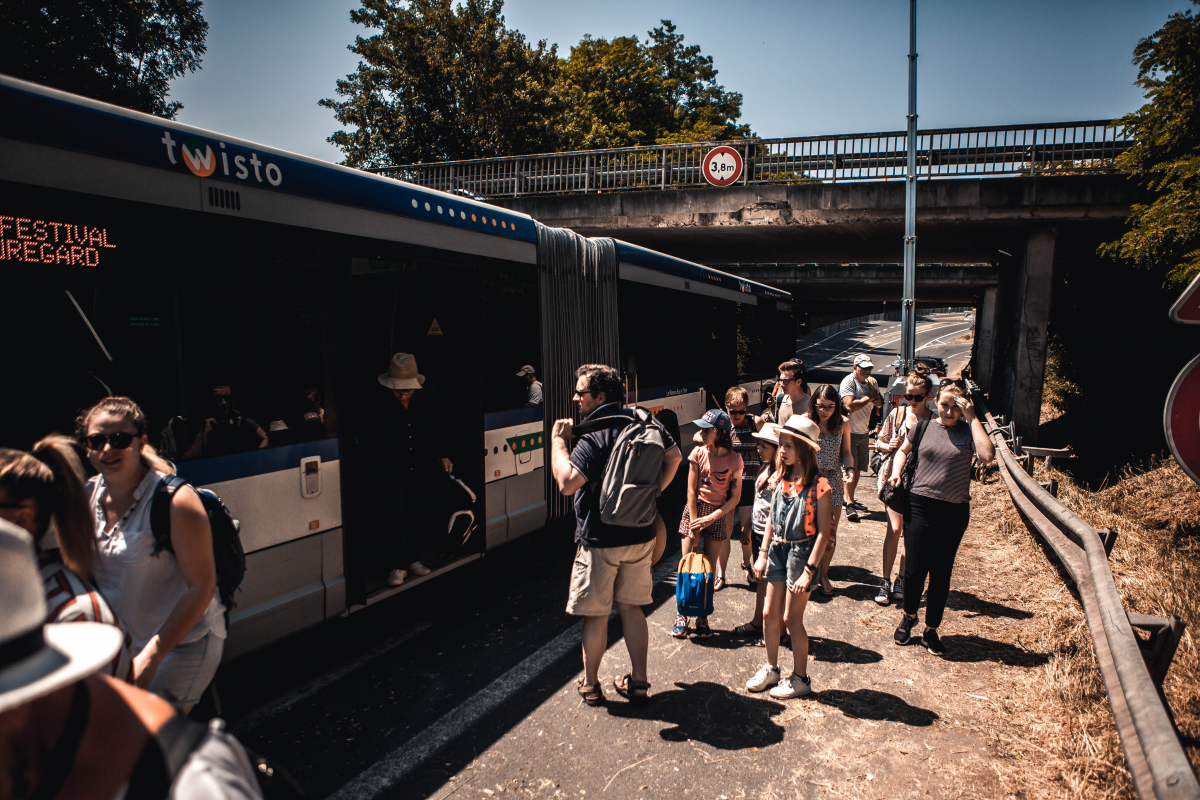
[
  {"x": 879, "y": 347},
  {"x": 275, "y": 707},
  {"x": 943, "y": 336},
  {"x": 394, "y": 766}
]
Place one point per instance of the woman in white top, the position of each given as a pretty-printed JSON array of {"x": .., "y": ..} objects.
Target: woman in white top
[{"x": 168, "y": 600}]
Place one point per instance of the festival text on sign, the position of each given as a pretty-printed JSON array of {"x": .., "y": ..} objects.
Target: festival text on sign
[{"x": 40, "y": 241}]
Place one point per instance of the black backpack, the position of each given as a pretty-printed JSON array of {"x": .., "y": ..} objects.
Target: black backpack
[{"x": 228, "y": 555}]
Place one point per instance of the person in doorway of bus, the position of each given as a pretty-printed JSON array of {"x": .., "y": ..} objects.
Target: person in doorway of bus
[
  {"x": 860, "y": 396},
  {"x": 795, "y": 397},
  {"x": 42, "y": 491},
  {"x": 69, "y": 731},
  {"x": 408, "y": 456},
  {"x": 714, "y": 491},
  {"x": 939, "y": 505},
  {"x": 745, "y": 425},
  {"x": 796, "y": 534},
  {"x": 612, "y": 563},
  {"x": 763, "y": 489},
  {"x": 914, "y": 407},
  {"x": 533, "y": 391},
  {"x": 227, "y": 431},
  {"x": 167, "y": 599},
  {"x": 834, "y": 459}
]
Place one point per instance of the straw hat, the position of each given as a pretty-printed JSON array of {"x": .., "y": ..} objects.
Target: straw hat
[
  {"x": 37, "y": 659},
  {"x": 799, "y": 426},
  {"x": 402, "y": 373}
]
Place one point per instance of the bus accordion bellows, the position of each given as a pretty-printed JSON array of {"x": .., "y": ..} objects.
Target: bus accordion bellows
[{"x": 203, "y": 275}]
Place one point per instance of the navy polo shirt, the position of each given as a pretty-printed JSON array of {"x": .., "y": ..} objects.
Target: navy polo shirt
[{"x": 590, "y": 457}]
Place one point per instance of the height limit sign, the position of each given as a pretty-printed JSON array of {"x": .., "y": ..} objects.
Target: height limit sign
[{"x": 722, "y": 166}]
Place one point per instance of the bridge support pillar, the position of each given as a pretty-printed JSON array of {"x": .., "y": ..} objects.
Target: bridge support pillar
[
  {"x": 983, "y": 360},
  {"x": 1025, "y": 355}
]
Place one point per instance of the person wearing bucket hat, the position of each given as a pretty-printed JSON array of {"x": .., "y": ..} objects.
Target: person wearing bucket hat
[
  {"x": 860, "y": 395},
  {"x": 68, "y": 731},
  {"x": 406, "y": 456},
  {"x": 796, "y": 534},
  {"x": 714, "y": 489},
  {"x": 764, "y": 488}
]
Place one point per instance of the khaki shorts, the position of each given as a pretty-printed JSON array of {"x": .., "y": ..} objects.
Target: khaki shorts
[
  {"x": 860, "y": 446},
  {"x": 604, "y": 574}
]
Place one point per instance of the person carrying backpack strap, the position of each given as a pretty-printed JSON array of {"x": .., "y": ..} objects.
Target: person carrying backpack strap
[
  {"x": 612, "y": 560},
  {"x": 166, "y": 597}
]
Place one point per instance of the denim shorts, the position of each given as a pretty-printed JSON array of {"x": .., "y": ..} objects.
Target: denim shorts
[{"x": 786, "y": 560}]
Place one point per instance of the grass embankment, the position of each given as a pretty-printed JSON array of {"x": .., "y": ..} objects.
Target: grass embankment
[{"x": 1071, "y": 748}]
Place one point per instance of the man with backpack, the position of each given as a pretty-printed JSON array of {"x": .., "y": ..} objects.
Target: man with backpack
[{"x": 621, "y": 462}]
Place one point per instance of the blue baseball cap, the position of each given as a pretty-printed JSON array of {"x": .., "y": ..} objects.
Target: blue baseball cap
[{"x": 715, "y": 418}]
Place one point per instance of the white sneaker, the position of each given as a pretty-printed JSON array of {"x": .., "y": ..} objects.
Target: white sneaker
[
  {"x": 766, "y": 676},
  {"x": 396, "y": 577},
  {"x": 418, "y": 569},
  {"x": 792, "y": 686}
]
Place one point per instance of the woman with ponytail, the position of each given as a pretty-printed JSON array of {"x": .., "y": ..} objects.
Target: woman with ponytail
[
  {"x": 168, "y": 599},
  {"x": 42, "y": 491}
]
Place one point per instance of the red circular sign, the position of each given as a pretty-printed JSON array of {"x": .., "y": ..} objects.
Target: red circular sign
[
  {"x": 1181, "y": 419},
  {"x": 722, "y": 166}
]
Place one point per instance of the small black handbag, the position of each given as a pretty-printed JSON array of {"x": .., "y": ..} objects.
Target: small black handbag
[{"x": 896, "y": 497}]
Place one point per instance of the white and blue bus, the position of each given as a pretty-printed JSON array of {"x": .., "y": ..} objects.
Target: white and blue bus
[{"x": 186, "y": 269}]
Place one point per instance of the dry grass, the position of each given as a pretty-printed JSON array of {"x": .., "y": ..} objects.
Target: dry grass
[{"x": 1056, "y": 738}]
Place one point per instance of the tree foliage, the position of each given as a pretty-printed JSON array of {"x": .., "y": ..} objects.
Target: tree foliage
[
  {"x": 125, "y": 52},
  {"x": 1165, "y": 234},
  {"x": 443, "y": 81},
  {"x": 627, "y": 92}
]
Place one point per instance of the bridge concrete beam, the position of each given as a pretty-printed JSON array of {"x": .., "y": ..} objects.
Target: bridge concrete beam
[{"x": 812, "y": 283}]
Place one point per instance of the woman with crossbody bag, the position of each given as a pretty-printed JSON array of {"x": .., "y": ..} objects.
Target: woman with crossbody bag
[
  {"x": 939, "y": 498},
  {"x": 796, "y": 534},
  {"x": 895, "y": 427}
]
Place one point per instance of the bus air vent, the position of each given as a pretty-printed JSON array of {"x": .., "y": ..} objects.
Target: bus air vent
[{"x": 224, "y": 198}]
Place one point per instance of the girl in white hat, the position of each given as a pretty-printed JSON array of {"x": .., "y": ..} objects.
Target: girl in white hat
[
  {"x": 796, "y": 535},
  {"x": 764, "y": 490}
]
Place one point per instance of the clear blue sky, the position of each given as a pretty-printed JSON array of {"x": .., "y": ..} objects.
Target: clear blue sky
[{"x": 805, "y": 67}]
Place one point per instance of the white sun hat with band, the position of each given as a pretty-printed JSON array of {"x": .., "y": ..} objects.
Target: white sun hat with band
[
  {"x": 799, "y": 426},
  {"x": 769, "y": 433},
  {"x": 402, "y": 373},
  {"x": 37, "y": 659}
]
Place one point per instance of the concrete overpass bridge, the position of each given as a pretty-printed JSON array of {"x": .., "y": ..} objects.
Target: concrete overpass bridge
[{"x": 823, "y": 217}]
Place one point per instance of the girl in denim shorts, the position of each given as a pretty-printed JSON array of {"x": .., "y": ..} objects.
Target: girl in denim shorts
[{"x": 797, "y": 533}]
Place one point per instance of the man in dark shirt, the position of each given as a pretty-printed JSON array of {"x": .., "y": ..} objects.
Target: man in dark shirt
[
  {"x": 408, "y": 458},
  {"x": 611, "y": 562}
]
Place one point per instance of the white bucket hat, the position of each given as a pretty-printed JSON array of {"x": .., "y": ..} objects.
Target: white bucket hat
[
  {"x": 799, "y": 426},
  {"x": 402, "y": 373},
  {"x": 37, "y": 659},
  {"x": 769, "y": 433}
]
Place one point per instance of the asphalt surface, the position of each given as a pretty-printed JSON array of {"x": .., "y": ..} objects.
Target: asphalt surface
[{"x": 828, "y": 359}]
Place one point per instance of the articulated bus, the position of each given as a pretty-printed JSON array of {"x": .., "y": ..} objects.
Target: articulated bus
[{"x": 203, "y": 275}]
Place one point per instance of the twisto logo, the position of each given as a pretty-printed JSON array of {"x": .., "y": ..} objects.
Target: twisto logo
[
  {"x": 203, "y": 160},
  {"x": 199, "y": 158}
]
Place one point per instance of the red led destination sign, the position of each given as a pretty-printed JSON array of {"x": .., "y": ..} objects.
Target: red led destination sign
[{"x": 39, "y": 241}]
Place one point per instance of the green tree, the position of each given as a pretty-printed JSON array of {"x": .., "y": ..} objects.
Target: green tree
[
  {"x": 443, "y": 80},
  {"x": 125, "y": 52},
  {"x": 627, "y": 92},
  {"x": 1165, "y": 234}
]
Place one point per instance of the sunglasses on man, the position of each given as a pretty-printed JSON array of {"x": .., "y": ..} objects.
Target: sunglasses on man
[{"x": 118, "y": 441}]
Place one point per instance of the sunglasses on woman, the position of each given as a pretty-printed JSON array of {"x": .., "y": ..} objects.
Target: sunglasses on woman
[
  {"x": 912, "y": 398},
  {"x": 119, "y": 441}
]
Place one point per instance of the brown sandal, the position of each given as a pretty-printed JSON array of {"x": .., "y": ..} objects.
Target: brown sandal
[
  {"x": 631, "y": 690},
  {"x": 591, "y": 693}
]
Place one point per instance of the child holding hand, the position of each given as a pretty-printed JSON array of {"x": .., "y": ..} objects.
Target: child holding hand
[{"x": 796, "y": 535}]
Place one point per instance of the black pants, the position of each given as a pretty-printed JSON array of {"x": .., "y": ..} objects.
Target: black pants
[
  {"x": 405, "y": 525},
  {"x": 933, "y": 530}
]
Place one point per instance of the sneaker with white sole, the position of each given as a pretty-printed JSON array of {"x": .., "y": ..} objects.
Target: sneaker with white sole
[
  {"x": 396, "y": 577},
  {"x": 418, "y": 569},
  {"x": 885, "y": 592},
  {"x": 933, "y": 642},
  {"x": 765, "y": 677},
  {"x": 792, "y": 686},
  {"x": 898, "y": 589},
  {"x": 904, "y": 629},
  {"x": 859, "y": 507},
  {"x": 851, "y": 512}
]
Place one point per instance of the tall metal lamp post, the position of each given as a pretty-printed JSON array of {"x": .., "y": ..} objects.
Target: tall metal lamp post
[{"x": 908, "y": 340}]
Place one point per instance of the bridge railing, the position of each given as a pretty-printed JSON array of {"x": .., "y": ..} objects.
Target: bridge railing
[
  {"x": 1050, "y": 148},
  {"x": 1133, "y": 670}
]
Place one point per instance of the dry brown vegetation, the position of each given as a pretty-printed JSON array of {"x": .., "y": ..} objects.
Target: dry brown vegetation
[{"x": 1056, "y": 737}]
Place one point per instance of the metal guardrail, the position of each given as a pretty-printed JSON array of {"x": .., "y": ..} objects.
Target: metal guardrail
[
  {"x": 1048, "y": 148},
  {"x": 1133, "y": 672}
]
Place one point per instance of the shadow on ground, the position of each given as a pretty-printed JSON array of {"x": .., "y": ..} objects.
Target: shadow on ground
[
  {"x": 968, "y": 649},
  {"x": 974, "y": 606},
  {"x": 711, "y": 714},
  {"x": 870, "y": 704}
]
